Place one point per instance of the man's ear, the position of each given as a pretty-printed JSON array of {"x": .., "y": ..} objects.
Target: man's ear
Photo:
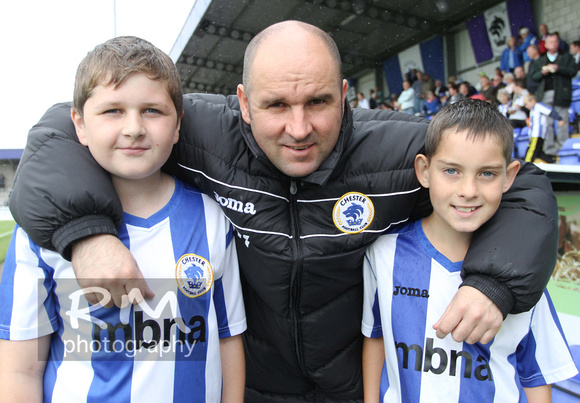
[
  {"x": 344, "y": 90},
  {"x": 422, "y": 170},
  {"x": 511, "y": 172},
  {"x": 244, "y": 103},
  {"x": 79, "y": 126}
]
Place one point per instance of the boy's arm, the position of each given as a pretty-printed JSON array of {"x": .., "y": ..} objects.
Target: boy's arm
[
  {"x": 233, "y": 368},
  {"x": 539, "y": 394},
  {"x": 373, "y": 361},
  {"x": 22, "y": 369}
]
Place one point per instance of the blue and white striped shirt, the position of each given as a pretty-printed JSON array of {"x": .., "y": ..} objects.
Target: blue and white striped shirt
[
  {"x": 408, "y": 285},
  {"x": 164, "y": 350}
]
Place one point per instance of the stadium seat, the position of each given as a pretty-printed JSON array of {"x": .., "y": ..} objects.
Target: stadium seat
[
  {"x": 570, "y": 152},
  {"x": 521, "y": 142}
]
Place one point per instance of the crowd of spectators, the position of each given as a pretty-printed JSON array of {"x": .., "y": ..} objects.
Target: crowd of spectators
[{"x": 542, "y": 65}]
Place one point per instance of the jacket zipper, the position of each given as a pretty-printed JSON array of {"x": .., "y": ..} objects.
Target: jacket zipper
[{"x": 295, "y": 276}]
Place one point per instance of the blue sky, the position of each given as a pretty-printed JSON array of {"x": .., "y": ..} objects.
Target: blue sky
[{"x": 44, "y": 41}]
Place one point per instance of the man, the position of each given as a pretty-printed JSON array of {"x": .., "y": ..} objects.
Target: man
[
  {"x": 487, "y": 90},
  {"x": 406, "y": 100},
  {"x": 308, "y": 185},
  {"x": 534, "y": 53},
  {"x": 417, "y": 86},
  {"x": 363, "y": 103},
  {"x": 527, "y": 39},
  {"x": 575, "y": 52},
  {"x": 543, "y": 30},
  {"x": 553, "y": 72},
  {"x": 440, "y": 89},
  {"x": 372, "y": 99}
]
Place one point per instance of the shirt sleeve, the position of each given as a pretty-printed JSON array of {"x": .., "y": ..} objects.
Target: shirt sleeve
[
  {"x": 227, "y": 297},
  {"x": 27, "y": 305},
  {"x": 371, "y": 322},
  {"x": 543, "y": 355}
]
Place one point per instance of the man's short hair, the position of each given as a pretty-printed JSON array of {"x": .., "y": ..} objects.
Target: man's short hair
[
  {"x": 116, "y": 59},
  {"x": 474, "y": 117}
]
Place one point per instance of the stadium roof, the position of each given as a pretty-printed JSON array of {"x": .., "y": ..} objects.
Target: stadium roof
[{"x": 209, "y": 52}]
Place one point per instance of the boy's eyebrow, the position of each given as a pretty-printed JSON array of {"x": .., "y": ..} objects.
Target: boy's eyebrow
[{"x": 454, "y": 164}]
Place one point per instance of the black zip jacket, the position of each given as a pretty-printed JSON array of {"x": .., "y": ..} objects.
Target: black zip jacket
[{"x": 301, "y": 272}]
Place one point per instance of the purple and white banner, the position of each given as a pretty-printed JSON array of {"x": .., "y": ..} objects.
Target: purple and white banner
[{"x": 490, "y": 30}]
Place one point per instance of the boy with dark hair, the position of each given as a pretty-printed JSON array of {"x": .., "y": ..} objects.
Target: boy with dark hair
[
  {"x": 411, "y": 274},
  {"x": 186, "y": 339}
]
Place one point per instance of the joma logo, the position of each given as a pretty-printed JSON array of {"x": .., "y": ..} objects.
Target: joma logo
[
  {"x": 235, "y": 205},
  {"x": 411, "y": 292}
]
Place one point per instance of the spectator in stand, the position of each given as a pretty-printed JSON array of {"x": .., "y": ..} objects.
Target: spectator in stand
[
  {"x": 418, "y": 87},
  {"x": 528, "y": 39},
  {"x": 520, "y": 72},
  {"x": 467, "y": 89},
  {"x": 444, "y": 99},
  {"x": 498, "y": 81},
  {"x": 553, "y": 72},
  {"x": 542, "y": 119},
  {"x": 454, "y": 94},
  {"x": 363, "y": 103},
  {"x": 428, "y": 85},
  {"x": 406, "y": 101},
  {"x": 517, "y": 113},
  {"x": 562, "y": 44},
  {"x": 440, "y": 89},
  {"x": 543, "y": 28},
  {"x": 379, "y": 95},
  {"x": 504, "y": 101},
  {"x": 432, "y": 105},
  {"x": 508, "y": 81},
  {"x": 487, "y": 90},
  {"x": 575, "y": 52},
  {"x": 511, "y": 57},
  {"x": 534, "y": 54},
  {"x": 372, "y": 99}
]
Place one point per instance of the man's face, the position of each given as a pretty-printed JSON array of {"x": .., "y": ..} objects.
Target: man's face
[
  {"x": 574, "y": 49},
  {"x": 484, "y": 80},
  {"x": 532, "y": 52},
  {"x": 519, "y": 72},
  {"x": 294, "y": 102},
  {"x": 552, "y": 43}
]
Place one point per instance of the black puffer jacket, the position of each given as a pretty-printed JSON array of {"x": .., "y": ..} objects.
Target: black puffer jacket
[{"x": 301, "y": 274}]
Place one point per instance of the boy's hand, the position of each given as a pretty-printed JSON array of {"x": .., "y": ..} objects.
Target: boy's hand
[
  {"x": 471, "y": 317},
  {"x": 103, "y": 261},
  {"x": 561, "y": 123}
]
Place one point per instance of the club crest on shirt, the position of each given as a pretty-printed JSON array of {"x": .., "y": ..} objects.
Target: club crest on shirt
[
  {"x": 353, "y": 212},
  {"x": 194, "y": 275}
]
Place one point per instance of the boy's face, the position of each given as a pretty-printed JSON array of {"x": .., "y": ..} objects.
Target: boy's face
[
  {"x": 529, "y": 104},
  {"x": 130, "y": 130},
  {"x": 466, "y": 180}
]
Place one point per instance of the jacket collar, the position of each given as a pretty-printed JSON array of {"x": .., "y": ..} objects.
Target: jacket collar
[{"x": 322, "y": 174}]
